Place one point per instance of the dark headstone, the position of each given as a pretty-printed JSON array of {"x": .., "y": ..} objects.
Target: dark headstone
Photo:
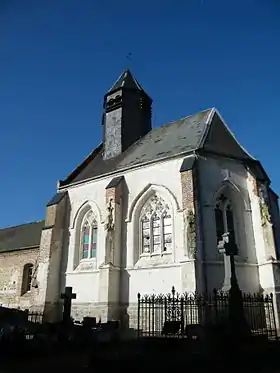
[
  {"x": 171, "y": 328},
  {"x": 89, "y": 322}
]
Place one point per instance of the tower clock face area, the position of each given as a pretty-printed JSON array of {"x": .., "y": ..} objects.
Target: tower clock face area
[{"x": 113, "y": 132}]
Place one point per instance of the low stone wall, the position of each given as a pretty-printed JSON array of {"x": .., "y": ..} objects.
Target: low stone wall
[{"x": 127, "y": 315}]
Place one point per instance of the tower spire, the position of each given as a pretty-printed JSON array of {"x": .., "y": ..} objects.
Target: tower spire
[
  {"x": 127, "y": 115},
  {"x": 126, "y": 81}
]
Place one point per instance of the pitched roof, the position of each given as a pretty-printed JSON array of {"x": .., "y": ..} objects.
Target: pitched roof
[
  {"x": 204, "y": 131},
  {"x": 126, "y": 80},
  {"x": 21, "y": 236},
  {"x": 184, "y": 135}
]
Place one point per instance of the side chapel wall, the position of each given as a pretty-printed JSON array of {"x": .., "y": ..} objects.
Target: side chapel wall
[
  {"x": 159, "y": 278},
  {"x": 220, "y": 175},
  {"x": 11, "y": 272}
]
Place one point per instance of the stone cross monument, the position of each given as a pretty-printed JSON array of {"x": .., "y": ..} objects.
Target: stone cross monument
[
  {"x": 67, "y": 297},
  {"x": 238, "y": 325}
]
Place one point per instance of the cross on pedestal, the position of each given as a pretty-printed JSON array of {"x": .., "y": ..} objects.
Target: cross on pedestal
[
  {"x": 67, "y": 297},
  {"x": 229, "y": 248},
  {"x": 239, "y": 327}
]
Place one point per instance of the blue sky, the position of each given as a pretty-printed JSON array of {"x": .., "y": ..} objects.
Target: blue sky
[{"x": 58, "y": 58}]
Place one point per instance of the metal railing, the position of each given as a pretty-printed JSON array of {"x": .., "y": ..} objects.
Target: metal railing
[{"x": 180, "y": 315}]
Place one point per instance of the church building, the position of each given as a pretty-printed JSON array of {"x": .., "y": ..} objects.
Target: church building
[{"x": 146, "y": 211}]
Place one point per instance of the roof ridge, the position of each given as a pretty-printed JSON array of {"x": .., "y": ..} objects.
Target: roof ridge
[{"x": 183, "y": 118}]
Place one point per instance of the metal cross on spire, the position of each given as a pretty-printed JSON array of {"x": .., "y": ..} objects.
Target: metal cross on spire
[{"x": 129, "y": 59}]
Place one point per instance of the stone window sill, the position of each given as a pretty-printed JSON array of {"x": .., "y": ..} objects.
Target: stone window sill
[
  {"x": 86, "y": 265},
  {"x": 149, "y": 255}
]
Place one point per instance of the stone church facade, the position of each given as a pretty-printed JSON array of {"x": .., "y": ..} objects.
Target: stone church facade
[{"x": 144, "y": 212}]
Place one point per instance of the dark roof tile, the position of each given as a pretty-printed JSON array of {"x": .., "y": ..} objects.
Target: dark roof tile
[
  {"x": 21, "y": 236},
  {"x": 184, "y": 135}
]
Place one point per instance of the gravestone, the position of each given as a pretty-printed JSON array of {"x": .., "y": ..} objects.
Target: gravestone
[
  {"x": 89, "y": 322},
  {"x": 67, "y": 297},
  {"x": 171, "y": 327}
]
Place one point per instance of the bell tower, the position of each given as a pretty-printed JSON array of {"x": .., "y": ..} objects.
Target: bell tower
[{"x": 126, "y": 116}]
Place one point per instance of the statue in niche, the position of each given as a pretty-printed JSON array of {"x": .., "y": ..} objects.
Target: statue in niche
[
  {"x": 110, "y": 227},
  {"x": 265, "y": 215},
  {"x": 264, "y": 205},
  {"x": 110, "y": 218},
  {"x": 191, "y": 233}
]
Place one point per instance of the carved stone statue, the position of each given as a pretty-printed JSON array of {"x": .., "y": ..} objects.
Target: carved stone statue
[
  {"x": 110, "y": 227},
  {"x": 265, "y": 215},
  {"x": 110, "y": 218},
  {"x": 191, "y": 233}
]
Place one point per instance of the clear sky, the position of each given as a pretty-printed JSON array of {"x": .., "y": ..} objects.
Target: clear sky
[{"x": 58, "y": 58}]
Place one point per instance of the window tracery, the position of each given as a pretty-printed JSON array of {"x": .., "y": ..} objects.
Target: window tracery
[
  {"x": 156, "y": 227},
  {"x": 224, "y": 218}
]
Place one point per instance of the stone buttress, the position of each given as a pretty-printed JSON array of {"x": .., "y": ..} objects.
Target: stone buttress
[
  {"x": 192, "y": 266},
  {"x": 110, "y": 270},
  {"x": 266, "y": 245},
  {"x": 49, "y": 262}
]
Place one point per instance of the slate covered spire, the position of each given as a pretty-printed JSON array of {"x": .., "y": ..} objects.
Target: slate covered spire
[
  {"x": 126, "y": 80},
  {"x": 126, "y": 116}
]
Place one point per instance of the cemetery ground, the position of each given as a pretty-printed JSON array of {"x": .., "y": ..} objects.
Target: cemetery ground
[
  {"x": 236, "y": 333},
  {"x": 88, "y": 353}
]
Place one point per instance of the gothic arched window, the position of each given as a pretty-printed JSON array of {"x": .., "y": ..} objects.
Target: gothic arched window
[
  {"x": 26, "y": 278},
  {"x": 88, "y": 236},
  {"x": 224, "y": 218},
  {"x": 156, "y": 227}
]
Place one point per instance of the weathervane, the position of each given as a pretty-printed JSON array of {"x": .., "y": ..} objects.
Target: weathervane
[{"x": 128, "y": 57}]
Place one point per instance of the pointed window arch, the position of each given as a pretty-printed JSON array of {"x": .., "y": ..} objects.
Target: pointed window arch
[
  {"x": 156, "y": 227},
  {"x": 224, "y": 218},
  {"x": 88, "y": 242}
]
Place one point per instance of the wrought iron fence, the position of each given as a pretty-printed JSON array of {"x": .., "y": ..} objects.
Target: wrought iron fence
[{"x": 183, "y": 315}]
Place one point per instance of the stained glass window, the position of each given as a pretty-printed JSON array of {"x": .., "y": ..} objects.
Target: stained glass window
[
  {"x": 89, "y": 237},
  {"x": 86, "y": 233},
  {"x": 93, "y": 242}
]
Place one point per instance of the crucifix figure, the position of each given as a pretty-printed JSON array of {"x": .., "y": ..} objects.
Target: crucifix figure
[{"x": 67, "y": 297}]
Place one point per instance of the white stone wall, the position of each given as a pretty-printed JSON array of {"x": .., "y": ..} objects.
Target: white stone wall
[
  {"x": 214, "y": 175},
  {"x": 156, "y": 276}
]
